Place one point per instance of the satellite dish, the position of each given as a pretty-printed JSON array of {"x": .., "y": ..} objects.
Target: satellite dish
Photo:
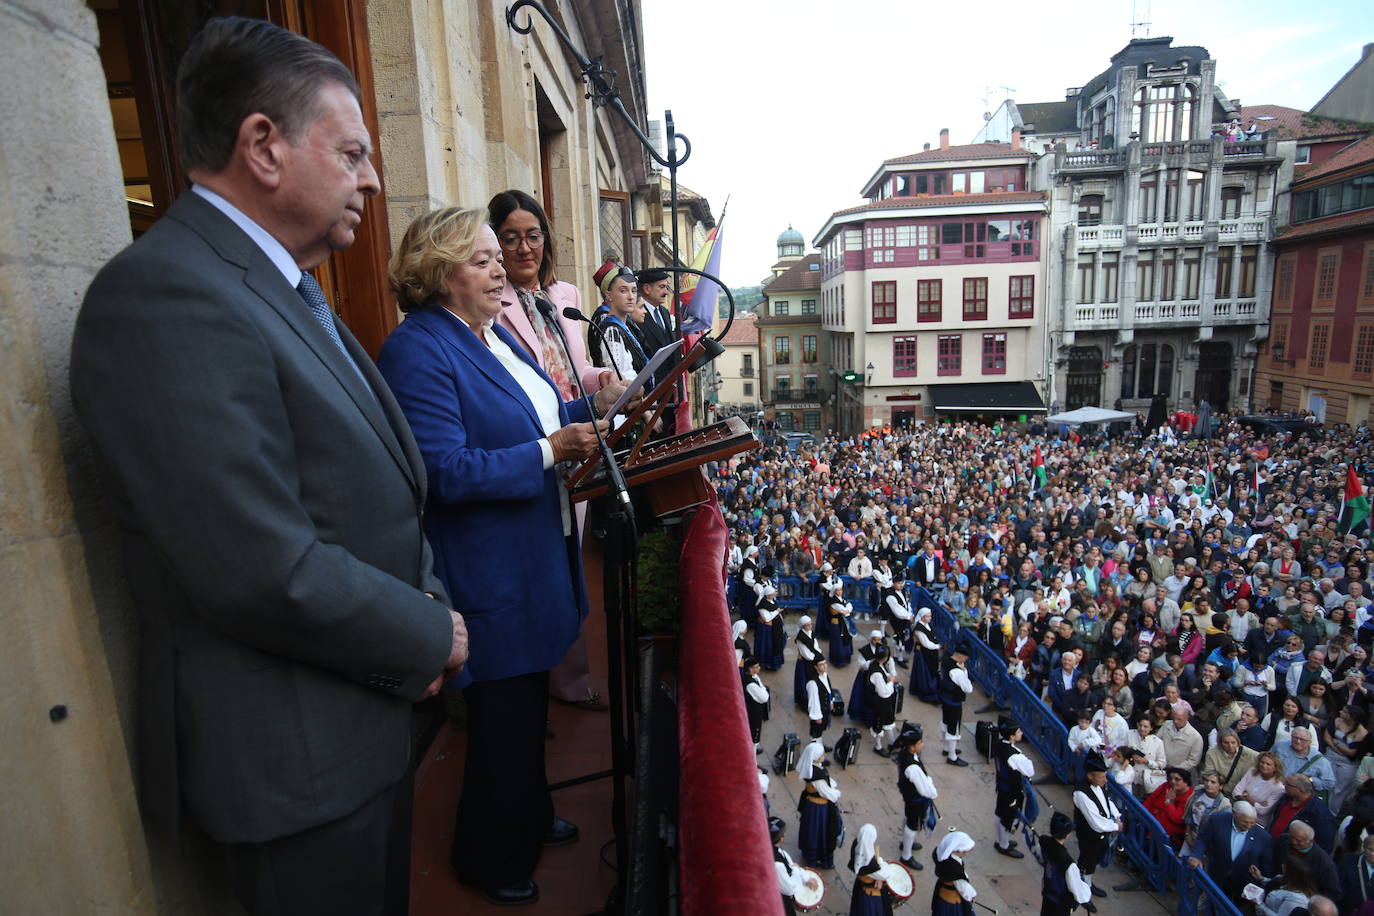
[{"x": 987, "y": 116}]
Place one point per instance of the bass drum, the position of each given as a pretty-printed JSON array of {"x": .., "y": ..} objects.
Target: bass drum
[
  {"x": 899, "y": 881},
  {"x": 812, "y": 892}
]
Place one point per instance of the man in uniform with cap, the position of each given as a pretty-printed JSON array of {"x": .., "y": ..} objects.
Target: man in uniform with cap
[
  {"x": 918, "y": 791},
  {"x": 954, "y": 689},
  {"x": 1063, "y": 887},
  {"x": 1096, "y": 821},
  {"x": 1013, "y": 769},
  {"x": 819, "y": 696}
]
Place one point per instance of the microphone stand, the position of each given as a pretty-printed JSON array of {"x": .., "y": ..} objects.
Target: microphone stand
[{"x": 620, "y": 547}]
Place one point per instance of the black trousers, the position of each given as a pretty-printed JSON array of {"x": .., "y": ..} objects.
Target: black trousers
[
  {"x": 1091, "y": 846},
  {"x": 359, "y": 863},
  {"x": 506, "y": 807}
]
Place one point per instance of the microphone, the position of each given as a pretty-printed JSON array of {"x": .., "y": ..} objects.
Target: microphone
[
  {"x": 576, "y": 315},
  {"x": 613, "y": 474}
]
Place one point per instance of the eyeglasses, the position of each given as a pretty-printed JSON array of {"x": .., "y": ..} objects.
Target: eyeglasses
[{"x": 511, "y": 240}]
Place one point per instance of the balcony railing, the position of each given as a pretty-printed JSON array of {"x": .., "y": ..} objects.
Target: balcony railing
[
  {"x": 793, "y": 396},
  {"x": 747, "y": 372},
  {"x": 1195, "y": 150},
  {"x": 1114, "y": 236},
  {"x": 1099, "y": 315}
]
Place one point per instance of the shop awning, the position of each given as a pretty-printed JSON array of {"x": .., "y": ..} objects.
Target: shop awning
[{"x": 987, "y": 397}]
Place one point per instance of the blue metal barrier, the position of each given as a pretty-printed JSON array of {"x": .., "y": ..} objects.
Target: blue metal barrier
[{"x": 1143, "y": 840}]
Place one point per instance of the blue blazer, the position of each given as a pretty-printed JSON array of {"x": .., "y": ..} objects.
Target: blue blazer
[
  {"x": 492, "y": 517},
  {"x": 1213, "y": 846}
]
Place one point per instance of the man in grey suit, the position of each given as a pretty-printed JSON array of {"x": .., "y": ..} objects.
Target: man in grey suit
[{"x": 268, "y": 491}]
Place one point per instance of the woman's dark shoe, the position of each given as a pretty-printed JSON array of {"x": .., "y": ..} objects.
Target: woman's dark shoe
[
  {"x": 521, "y": 893},
  {"x": 913, "y": 864},
  {"x": 560, "y": 834}
]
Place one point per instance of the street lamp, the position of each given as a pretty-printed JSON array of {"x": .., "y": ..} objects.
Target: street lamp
[{"x": 870, "y": 367}]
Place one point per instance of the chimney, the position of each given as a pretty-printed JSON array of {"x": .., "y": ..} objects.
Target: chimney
[
  {"x": 944, "y": 138},
  {"x": 1016, "y": 138},
  {"x": 926, "y": 148}
]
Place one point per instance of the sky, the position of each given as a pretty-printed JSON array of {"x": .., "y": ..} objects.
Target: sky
[{"x": 791, "y": 105}]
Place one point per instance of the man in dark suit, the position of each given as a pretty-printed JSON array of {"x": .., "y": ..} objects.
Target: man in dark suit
[
  {"x": 1230, "y": 845},
  {"x": 268, "y": 491},
  {"x": 1300, "y": 841},
  {"x": 657, "y": 328},
  {"x": 1356, "y": 872}
]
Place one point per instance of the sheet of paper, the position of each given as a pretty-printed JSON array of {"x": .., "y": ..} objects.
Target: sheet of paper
[{"x": 645, "y": 375}]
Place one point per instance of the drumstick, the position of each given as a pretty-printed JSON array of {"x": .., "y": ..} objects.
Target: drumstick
[{"x": 984, "y": 906}]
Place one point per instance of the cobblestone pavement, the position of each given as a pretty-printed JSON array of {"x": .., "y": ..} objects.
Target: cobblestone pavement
[{"x": 870, "y": 795}]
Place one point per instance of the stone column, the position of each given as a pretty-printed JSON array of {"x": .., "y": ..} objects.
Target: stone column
[{"x": 71, "y": 836}]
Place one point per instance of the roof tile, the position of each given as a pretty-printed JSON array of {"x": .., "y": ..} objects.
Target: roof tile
[
  {"x": 799, "y": 277},
  {"x": 743, "y": 331},
  {"x": 965, "y": 151}
]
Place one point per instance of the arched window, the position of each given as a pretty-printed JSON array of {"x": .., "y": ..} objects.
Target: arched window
[{"x": 1165, "y": 112}]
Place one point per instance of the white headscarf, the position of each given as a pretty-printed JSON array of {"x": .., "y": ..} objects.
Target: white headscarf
[
  {"x": 804, "y": 621},
  {"x": 751, "y": 551},
  {"x": 763, "y": 782},
  {"x": 769, "y": 590},
  {"x": 864, "y": 851},
  {"x": 923, "y": 615},
  {"x": 954, "y": 842},
  {"x": 807, "y": 761},
  {"x": 737, "y": 629},
  {"x": 875, "y": 634}
]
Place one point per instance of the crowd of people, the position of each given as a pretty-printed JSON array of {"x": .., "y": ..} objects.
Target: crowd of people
[{"x": 1195, "y": 611}]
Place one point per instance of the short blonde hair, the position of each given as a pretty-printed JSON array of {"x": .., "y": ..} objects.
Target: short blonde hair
[{"x": 429, "y": 250}]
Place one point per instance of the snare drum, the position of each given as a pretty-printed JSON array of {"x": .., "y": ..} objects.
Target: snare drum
[
  {"x": 899, "y": 882},
  {"x": 807, "y": 899}
]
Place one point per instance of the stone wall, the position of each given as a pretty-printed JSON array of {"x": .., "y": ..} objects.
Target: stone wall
[{"x": 70, "y": 838}]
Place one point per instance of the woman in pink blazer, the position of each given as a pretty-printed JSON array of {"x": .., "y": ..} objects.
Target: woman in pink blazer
[{"x": 522, "y": 229}]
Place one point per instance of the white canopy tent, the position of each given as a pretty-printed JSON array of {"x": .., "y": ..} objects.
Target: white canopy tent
[{"x": 1089, "y": 415}]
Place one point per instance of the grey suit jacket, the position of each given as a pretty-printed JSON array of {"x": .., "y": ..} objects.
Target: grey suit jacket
[{"x": 270, "y": 512}]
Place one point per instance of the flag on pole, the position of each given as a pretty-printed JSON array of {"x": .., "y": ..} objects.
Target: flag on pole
[
  {"x": 1211, "y": 484},
  {"x": 1042, "y": 479},
  {"x": 699, "y": 294},
  {"x": 1355, "y": 505}
]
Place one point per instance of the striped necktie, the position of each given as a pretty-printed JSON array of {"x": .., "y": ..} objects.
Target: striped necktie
[{"x": 319, "y": 307}]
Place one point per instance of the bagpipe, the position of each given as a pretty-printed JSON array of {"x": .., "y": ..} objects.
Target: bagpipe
[{"x": 1027, "y": 815}]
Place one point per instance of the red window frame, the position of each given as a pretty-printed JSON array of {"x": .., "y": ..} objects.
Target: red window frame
[
  {"x": 884, "y": 298},
  {"x": 995, "y": 354},
  {"x": 929, "y": 300},
  {"x": 1021, "y": 296},
  {"x": 950, "y": 355},
  {"x": 904, "y": 355},
  {"x": 975, "y": 298}
]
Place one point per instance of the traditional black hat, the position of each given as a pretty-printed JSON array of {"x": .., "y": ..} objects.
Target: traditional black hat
[
  {"x": 1061, "y": 825},
  {"x": 651, "y": 275},
  {"x": 1094, "y": 763},
  {"x": 910, "y": 734},
  {"x": 1006, "y": 727}
]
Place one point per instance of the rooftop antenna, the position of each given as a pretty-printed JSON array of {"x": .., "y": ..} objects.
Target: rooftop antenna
[
  {"x": 1138, "y": 24},
  {"x": 987, "y": 95}
]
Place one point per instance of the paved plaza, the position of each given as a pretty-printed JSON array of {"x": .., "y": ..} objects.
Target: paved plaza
[{"x": 870, "y": 795}]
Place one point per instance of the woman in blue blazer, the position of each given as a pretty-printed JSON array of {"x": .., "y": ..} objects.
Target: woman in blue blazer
[{"x": 492, "y": 430}]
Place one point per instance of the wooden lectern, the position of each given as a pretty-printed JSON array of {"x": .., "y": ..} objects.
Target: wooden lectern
[{"x": 668, "y": 470}]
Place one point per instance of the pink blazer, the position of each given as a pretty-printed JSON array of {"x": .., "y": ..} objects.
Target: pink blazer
[{"x": 562, "y": 295}]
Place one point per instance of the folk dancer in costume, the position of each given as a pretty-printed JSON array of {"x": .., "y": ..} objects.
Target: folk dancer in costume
[
  {"x": 859, "y": 710},
  {"x": 742, "y": 648},
  {"x": 756, "y": 700},
  {"x": 1096, "y": 822},
  {"x": 1014, "y": 769},
  {"x": 954, "y": 689},
  {"x": 819, "y": 808},
  {"x": 918, "y": 792},
  {"x": 871, "y": 896},
  {"x": 623, "y": 349},
  {"x": 769, "y": 635},
  {"x": 827, "y": 584},
  {"x": 806, "y": 655},
  {"x": 881, "y": 690},
  {"x": 819, "y": 697},
  {"x": 790, "y": 878},
  {"x": 1062, "y": 889},
  {"x": 837, "y": 612},
  {"x": 925, "y": 661},
  {"x": 745, "y": 597},
  {"x": 896, "y": 612},
  {"x": 953, "y": 894}
]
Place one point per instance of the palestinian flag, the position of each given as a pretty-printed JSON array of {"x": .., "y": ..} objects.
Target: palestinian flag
[
  {"x": 1355, "y": 506},
  {"x": 1042, "y": 479}
]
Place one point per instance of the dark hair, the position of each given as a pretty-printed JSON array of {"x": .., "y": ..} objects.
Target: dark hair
[
  {"x": 238, "y": 67},
  {"x": 507, "y": 202}
]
